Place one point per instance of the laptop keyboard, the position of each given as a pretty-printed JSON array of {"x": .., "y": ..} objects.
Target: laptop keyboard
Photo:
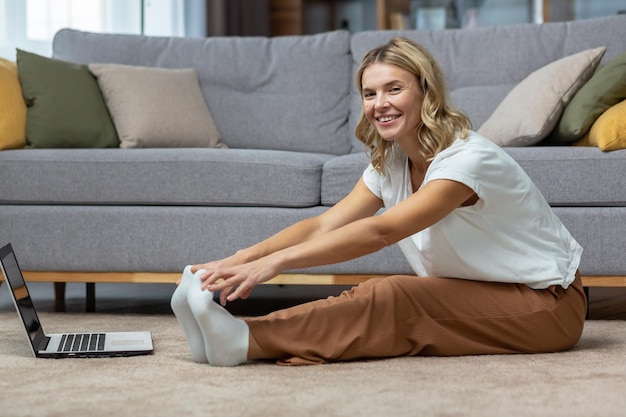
[{"x": 82, "y": 342}]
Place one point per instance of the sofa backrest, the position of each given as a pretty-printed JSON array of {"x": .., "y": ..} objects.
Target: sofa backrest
[
  {"x": 482, "y": 65},
  {"x": 286, "y": 93},
  {"x": 298, "y": 93}
]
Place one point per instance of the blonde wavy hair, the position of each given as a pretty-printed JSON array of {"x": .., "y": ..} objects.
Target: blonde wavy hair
[{"x": 440, "y": 122}]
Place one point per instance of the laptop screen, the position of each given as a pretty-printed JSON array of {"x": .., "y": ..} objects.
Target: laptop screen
[{"x": 21, "y": 297}]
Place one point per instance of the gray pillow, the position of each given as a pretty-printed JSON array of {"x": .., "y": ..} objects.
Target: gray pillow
[
  {"x": 156, "y": 107},
  {"x": 532, "y": 109}
]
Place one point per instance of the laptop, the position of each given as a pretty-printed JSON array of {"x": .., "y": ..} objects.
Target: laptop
[{"x": 70, "y": 345}]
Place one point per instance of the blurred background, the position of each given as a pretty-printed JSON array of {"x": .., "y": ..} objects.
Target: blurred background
[{"x": 31, "y": 24}]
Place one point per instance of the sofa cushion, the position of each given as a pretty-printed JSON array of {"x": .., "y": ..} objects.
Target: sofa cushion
[
  {"x": 159, "y": 239},
  {"x": 606, "y": 88},
  {"x": 12, "y": 108},
  {"x": 156, "y": 107},
  {"x": 566, "y": 176},
  {"x": 575, "y": 176},
  {"x": 180, "y": 176},
  {"x": 340, "y": 176},
  {"x": 283, "y": 93},
  {"x": 65, "y": 106},
  {"x": 483, "y": 64},
  {"x": 533, "y": 107}
]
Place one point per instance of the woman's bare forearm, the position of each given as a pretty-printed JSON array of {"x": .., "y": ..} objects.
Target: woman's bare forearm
[
  {"x": 292, "y": 235},
  {"x": 361, "y": 237},
  {"x": 348, "y": 242},
  {"x": 360, "y": 203}
]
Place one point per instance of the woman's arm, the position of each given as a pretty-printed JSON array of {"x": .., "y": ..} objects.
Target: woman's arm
[
  {"x": 427, "y": 206},
  {"x": 423, "y": 209},
  {"x": 359, "y": 203}
]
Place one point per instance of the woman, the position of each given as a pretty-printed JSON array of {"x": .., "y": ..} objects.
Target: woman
[{"x": 496, "y": 269}]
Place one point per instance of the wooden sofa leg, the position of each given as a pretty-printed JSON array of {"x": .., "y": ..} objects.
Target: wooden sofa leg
[
  {"x": 90, "y": 297},
  {"x": 59, "y": 296}
]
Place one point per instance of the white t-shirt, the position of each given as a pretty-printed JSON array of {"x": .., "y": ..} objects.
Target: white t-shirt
[{"x": 510, "y": 235}]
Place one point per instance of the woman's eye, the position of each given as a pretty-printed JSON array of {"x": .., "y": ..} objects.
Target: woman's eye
[
  {"x": 395, "y": 89},
  {"x": 368, "y": 95}
]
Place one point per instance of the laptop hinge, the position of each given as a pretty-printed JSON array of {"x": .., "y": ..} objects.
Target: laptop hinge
[{"x": 43, "y": 344}]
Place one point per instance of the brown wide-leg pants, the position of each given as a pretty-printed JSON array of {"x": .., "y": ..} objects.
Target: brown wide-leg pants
[{"x": 407, "y": 315}]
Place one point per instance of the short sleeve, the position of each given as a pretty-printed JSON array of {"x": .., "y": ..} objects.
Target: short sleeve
[
  {"x": 372, "y": 180},
  {"x": 481, "y": 165},
  {"x": 457, "y": 176},
  {"x": 465, "y": 164}
]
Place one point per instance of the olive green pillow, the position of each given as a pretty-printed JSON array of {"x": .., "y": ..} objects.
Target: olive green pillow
[
  {"x": 604, "y": 89},
  {"x": 65, "y": 108}
]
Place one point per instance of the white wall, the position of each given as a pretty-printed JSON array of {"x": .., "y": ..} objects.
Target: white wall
[{"x": 31, "y": 24}]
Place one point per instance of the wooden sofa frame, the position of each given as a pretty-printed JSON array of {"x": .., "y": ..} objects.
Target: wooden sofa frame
[{"x": 92, "y": 278}]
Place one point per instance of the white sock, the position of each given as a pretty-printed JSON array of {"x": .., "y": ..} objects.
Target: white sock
[
  {"x": 225, "y": 337},
  {"x": 185, "y": 317}
]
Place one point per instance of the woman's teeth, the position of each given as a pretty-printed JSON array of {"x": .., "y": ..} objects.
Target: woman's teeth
[{"x": 387, "y": 118}]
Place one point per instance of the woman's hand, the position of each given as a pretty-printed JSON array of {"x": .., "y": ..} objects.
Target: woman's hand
[
  {"x": 236, "y": 281},
  {"x": 236, "y": 259}
]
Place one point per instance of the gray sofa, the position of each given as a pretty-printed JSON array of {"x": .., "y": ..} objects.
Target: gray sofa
[{"x": 286, "y": 108}]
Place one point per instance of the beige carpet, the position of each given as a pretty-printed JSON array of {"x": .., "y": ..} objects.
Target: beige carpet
[{"x": 587, "y": 381}]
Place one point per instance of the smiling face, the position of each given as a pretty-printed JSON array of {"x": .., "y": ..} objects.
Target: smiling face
[{"x": 392, "y": 101}]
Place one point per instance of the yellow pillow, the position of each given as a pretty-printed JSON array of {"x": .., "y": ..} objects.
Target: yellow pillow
[
  {"x": 12, "y": 108},
  {"x": 608, "y": 132}
]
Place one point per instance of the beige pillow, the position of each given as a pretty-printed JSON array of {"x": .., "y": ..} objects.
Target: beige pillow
[
  {"x": 156, "y": 107},
  {"x": 532, "y": 109}
]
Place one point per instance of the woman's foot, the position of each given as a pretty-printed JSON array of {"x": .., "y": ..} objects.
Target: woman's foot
[
  {"x": 225, "y": 337},
  {"x": 185, "y": 317}
]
